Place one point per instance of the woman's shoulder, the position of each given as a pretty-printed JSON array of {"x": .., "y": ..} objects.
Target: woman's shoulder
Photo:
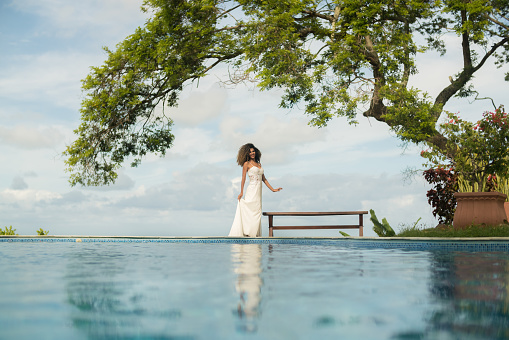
[{"x": 248, "y": 165}]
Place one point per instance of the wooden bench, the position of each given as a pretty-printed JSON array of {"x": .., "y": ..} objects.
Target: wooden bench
[{"x": 355, "y": 226}]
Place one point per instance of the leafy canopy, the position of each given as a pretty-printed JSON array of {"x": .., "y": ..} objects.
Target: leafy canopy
[
  {"x": 478, "y": 151},
  {"x": 335, "y": 58}
]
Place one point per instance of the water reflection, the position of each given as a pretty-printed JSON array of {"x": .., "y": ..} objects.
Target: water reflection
[
  {"x": 472, "y": 289},
  {"x": 111, "y": 301},
  {"x": 247, "y": 264},
  {"x": 186, "y": 292}
]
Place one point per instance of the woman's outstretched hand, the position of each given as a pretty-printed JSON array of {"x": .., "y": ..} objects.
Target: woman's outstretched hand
[{"x": 278, "y": 189}]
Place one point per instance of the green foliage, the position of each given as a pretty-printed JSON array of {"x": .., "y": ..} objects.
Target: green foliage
[
  {"x": 42, "y": 232},
  {"x": 475, "y": 151},
  {"x": 332, "y": 58},
  {"x": 441, "y": 197},
  {"x": 120, "y": 113},
  {"x": 449, "y": 231},
  {"x": 411, "y": 115},
  {"x": 500, "y": 184},
  {"x": 381, "y": 229},
  {"x": 493, "y": 183},
  {"x": 344, "y": 234},
  {"x": 8, "y": 231}
]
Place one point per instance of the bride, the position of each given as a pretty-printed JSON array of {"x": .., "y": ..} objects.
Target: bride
[{"x": 248, "y": 216}]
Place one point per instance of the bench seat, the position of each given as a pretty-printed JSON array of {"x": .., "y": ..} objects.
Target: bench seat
[{"x": 272, "y": 227}]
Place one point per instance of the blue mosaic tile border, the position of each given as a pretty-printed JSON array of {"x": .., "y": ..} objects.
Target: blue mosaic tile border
[
  {"x": 483, "y": 246},
  {"x": 418, "y": 245}
]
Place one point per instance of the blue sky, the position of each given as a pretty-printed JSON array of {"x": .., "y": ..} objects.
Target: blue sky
[{"x": 48, "y": 47}]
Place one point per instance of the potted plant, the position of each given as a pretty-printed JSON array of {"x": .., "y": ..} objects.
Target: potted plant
[{"x": 477, "y": 153}]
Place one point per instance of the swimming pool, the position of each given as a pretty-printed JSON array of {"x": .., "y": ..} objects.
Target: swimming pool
[{"x": 253, "y": 290}]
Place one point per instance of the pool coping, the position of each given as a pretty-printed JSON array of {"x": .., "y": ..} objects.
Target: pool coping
[
  {"x": 484, "y": 244},
  {"x": 360, "y": 238}
]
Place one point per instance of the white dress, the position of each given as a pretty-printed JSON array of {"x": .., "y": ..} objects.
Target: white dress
[{"x": 248, "y": 217}]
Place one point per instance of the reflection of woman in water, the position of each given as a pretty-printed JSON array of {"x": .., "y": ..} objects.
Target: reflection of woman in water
[
  {"x": 248, "y": 216},
  {"x": 247, "y": 264}
]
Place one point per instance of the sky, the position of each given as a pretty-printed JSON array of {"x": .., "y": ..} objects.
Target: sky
[{"x": 48, "y": 46}]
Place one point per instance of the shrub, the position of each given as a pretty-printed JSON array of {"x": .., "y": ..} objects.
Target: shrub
[
  {"x": 382, "y": 229},
  {"x": 474, "y": 151},
  {"x": 441, "y": 197},
  {"x": 8, "y": 231}
]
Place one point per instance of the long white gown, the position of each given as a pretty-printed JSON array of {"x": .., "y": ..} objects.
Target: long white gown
[{"x": 248, "y": 217}]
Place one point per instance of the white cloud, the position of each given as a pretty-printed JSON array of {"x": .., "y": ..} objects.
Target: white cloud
[
  {"x": 30, "y": 174},
  {"x": 13, "y": 113},
  {"x": 89, "y": 17},
  {"x": 18, "y": 183},
  {"x": 27, "y": 197},
  {"x": 278, "y": 138},
  {"x": 199, "y": 107},
  {"x": 201, "y": 201},
  {"x": 49, "y": 77},
  {"x": 73, "y": 197},
  {"x": 53, "y": 75},
  {"x": 123, "y": 182},
  {"x": 190, "y": 142},
  {"x": 203, "y": 187},
  {"x": 31, "y": 138}
]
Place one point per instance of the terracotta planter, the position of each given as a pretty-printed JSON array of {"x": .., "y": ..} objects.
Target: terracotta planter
[{"x": 479, "y": 208}]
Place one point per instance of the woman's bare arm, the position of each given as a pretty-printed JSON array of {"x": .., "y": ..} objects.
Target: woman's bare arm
[
  {"x": 269, "y": 186},
  {"x": 244, "y": 171}
]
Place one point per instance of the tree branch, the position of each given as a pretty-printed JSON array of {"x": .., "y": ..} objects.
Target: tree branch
[
  {"x": 465, "y": 76},
  {"x": 228, "y": 28},
  {"x": 319, "y": 15},
  {"x": 304, "y": 32},
  {"x": 490, "y": 53},
  {"x": 495, "y": 21},
  {"x": 230, "y": 10},
  {"x": 377, "y": 108},
  {"x": 406, "y": 66},
  {"x": 221, "y": 59},
  {"x": 465, "y": 44}
]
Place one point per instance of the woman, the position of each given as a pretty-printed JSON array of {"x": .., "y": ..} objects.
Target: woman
[{"x": 248, "y": 217}]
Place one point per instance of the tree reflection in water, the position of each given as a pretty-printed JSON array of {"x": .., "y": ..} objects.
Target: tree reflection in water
[
  {"x": 247, "y": 264},
  {"x": 472, "y": 291},
  {"x": 114, "y": 299},
  {"x": 186, "y": 292}
]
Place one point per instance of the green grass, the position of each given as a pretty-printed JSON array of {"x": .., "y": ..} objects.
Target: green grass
[{"x": 448, "y": 231}]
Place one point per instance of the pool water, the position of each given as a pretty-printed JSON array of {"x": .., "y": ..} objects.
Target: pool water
[{"x": 249, "y": 291}]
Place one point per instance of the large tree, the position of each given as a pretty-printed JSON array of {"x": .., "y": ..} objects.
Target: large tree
[{"x": 338, "y": 58}]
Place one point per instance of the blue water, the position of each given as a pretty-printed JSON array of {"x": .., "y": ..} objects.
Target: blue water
[{"x": 249, "y": 291}]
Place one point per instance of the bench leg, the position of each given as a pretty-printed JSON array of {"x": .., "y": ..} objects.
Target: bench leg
[
  {"x": 361, "y": 232},
  {"x": 271, "y": 230}
]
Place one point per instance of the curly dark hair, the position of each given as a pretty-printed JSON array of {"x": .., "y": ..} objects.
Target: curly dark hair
[{"x": 243, "y": 155}]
